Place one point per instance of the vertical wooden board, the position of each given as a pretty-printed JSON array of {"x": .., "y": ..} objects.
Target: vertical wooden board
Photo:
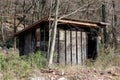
[
  {"x": 68, "y": 51},
  {"x": 84, "y": 47},
  {"x": 27, "y": 45},
  {"x": 79, "y": 47},
  {"x": 73, "y": 47},
  {"x": 62, "y": 47}
]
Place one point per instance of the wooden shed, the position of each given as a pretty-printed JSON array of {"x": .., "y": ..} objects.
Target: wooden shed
[{"x": 76, "y": 40}]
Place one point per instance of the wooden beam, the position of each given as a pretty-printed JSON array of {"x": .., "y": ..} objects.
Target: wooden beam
[{"x": 84, "y": 24}]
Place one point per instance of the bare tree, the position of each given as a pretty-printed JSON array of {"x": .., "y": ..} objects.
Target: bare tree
[
  {"x": 2, "y": 28},
  {"x": 50, "y": 29},
  {"x": 15, "y": 27},
  {"x": 114, "y": 25},
  {"x": 54, "y": 34}
]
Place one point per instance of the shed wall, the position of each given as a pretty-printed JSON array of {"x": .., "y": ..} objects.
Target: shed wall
[{"x": 72, "y": 47}]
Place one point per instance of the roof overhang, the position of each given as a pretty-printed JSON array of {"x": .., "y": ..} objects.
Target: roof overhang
[{"x": 78, "y": 23}]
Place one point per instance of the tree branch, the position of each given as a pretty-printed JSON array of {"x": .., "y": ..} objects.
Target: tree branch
[{"x": 79, "y": 9}]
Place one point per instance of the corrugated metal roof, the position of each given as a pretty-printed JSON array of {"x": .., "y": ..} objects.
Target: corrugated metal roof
[{"x": 78, "y": 23}]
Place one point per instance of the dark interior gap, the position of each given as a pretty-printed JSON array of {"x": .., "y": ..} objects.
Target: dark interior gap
[
  {"x": 76, "y": 48},
  {"x": 92, "y": 47},
  {"x": 44, "y": 38},
  {"x": 71, "y": 45},
  {"x": 58, "y": 45},
  {"x": 40, "y": 39}
]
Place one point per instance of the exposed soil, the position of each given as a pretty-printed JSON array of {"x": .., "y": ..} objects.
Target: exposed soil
[{"x": 112, "y": 73}]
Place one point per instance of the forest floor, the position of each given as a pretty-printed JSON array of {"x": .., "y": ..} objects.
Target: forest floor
[
  {"x": 13, "y": 67},
  {"x": 78, "y": 73},
  {"x": 112, "y": 73}
]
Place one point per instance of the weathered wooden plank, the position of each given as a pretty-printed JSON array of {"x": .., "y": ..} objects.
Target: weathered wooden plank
[
  {"x": 84, "y": 47},
  {"x": 68, "y": 51},
  {"x": 79, "y": 47},
  {"x": 73, "y": 47},
  {"x": 62, "y": 47}
]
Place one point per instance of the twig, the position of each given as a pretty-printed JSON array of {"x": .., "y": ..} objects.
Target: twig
[{"x": 79, "y": 9}]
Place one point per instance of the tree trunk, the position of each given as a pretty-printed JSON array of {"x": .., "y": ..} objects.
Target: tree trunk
[
  {"x": 105, "y": 36},
  {"x": 2, "y": 32},
  {"x": 50, "y": 30},
  {"x": 15, "y": 27},
  {"x": 54, "y": 34},
  {"x": 114, "y": 25}
]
